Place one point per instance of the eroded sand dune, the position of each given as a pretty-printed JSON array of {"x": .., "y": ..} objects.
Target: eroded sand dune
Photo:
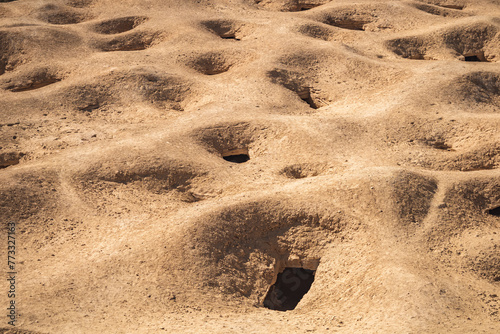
[{"x": 165, "y": 161}]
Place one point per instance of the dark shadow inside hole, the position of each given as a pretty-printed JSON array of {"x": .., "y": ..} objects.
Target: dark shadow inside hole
[
  {"x": 238, "y": 155},
  {"x": 311, "y": 103},
  {"x": 475, "y": 57},
  {"x": 230, "y": 36},
  {"x": 472, "y": 58},
  {"x": 291, "y": 285},
  {"x": 306, "y": 97},
  {"x": 494, "y": 212},
  {"x": 237, "y": 158}
]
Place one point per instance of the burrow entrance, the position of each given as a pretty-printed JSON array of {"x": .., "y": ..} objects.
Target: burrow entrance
[
  {"x": 239, "y": 155},
  {"x": 305, "y": 95},
  {"x": 495, "y": 212},
  {"x": 475, "y": 57},
  {"x": 290, "y": 286}
]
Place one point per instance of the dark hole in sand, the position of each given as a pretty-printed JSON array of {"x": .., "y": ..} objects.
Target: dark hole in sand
[
  {"x": 494, "y": 212},
  {"x": 472, "y": 58},
  {"x": 230, "y": 37},
  {"x": 237, "y": 158},
  {"x": 305, "y": 95},
  {"x": 311, "y": 102},
  {"x": 291, "y": 285},
  {"x": 237, "y": 155},
  {"x": 475, "y": 57}
]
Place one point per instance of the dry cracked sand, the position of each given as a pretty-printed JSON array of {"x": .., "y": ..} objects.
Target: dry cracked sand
[{"x": 165, "y": 163}]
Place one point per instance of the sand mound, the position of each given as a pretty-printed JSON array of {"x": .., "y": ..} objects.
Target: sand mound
[{"x": 470, "y": 42}]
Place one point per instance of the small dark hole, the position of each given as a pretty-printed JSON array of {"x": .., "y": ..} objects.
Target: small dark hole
[
  {"x": 231, "y": 37},
  {"x": 472, "y": 58},
  {"x": 495, "y": 212},
  {"x": 291, "y": 285},
  {"x": 237, "y": 158},
  {"x": 477, "y": 57},
  {"x": 305, "y": 95},
  {"x": 311, "y": 102}
]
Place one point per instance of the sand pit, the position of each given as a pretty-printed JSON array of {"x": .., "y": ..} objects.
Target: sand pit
[{"x": 246, "y": 166}]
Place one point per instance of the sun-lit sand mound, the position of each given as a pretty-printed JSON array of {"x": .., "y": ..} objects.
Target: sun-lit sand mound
[{"x": 245, "y": 166}]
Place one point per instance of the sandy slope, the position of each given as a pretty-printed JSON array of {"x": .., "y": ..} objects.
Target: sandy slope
[{"x": 374, "y": 150}]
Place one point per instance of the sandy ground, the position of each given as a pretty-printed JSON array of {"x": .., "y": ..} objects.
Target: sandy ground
[{"x": 372, "y": 132}]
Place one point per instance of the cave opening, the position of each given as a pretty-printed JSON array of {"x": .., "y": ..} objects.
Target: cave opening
[
  {"x": 305, "y": 95},
  {"x": 472, "y": 58},
  {"x": 478, "y": 57},
  {"x": 290, "y": 286},
  {"x": 310, "y": 102},
  {"x": 495, "y": 212},
  {"x": 236, "y": 156}
]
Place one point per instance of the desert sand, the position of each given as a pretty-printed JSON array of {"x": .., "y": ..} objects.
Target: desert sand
[{"x": 163, "y": 161}]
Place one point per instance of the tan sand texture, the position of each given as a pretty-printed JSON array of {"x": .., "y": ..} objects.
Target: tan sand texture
[{"x": 164, "y": 160}]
